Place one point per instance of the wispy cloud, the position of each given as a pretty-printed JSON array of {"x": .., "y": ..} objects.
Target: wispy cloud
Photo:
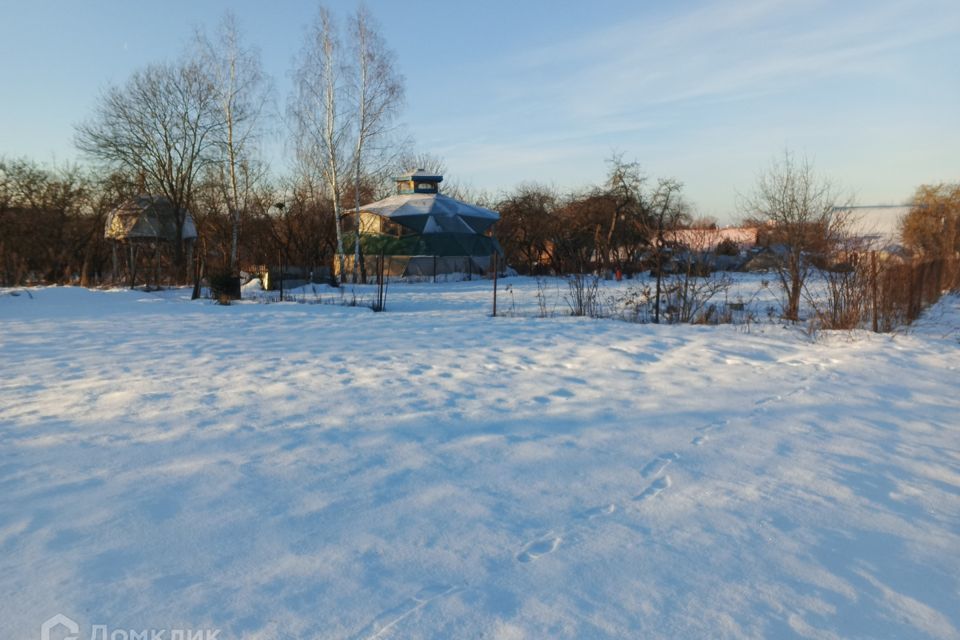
[
  {"x": 746, "y": 78},
  {"x": 723, "y": 52}
]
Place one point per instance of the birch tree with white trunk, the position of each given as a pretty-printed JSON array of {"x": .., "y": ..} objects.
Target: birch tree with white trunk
[
  {"x": 319, "y": 114},
  {"x": 376, "y": 95},
  {"x": 242, "y": 92}
]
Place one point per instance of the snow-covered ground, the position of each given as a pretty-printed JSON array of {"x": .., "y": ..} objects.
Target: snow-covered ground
[{"x": 316, "y": 471}]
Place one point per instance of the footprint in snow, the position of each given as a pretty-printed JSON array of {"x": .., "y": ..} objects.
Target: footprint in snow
[
  {"x": 549, "y": 543},
  {"x": 658, "y": 464},
  {"x": 703, "y": 430},
  {"x": 763, "y": 401},
  {"x": 597, "y": 512},
  {"x": 538, "y": 548},
  {"x": 713, "y": 426},
  {"x": 654, "y": 489}
]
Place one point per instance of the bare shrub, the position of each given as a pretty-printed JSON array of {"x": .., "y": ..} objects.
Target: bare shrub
[
  {"x": 633, "y": 304},
  {"x": 544, "y": 310},
  {"x": 582, "y": 295},
  {"x": 846, "y": 278},
  {"x": 728, "y": 247},
  {"x": 688, "y": 295},
  {"x": 714, "y": 314}
]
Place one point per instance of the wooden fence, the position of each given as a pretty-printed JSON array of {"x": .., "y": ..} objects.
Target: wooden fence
[{"x": 901, "y": 290}]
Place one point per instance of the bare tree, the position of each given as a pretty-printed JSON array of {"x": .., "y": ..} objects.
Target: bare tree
[
  {"x": 241, "y": 90},
  {"x": 319, "y": 114},
  {"x": 524, "y": 229},
  {"x": 801, "y": 209},
  {"x": 162, "y": 125},
  {"x": 625, "y": 185},
  {"x": 410, "y": 159},
  {"x": 51, "y": 223},
  {"x": 576, "y": 233},
  {"x": 377, "y": 92},
  {"x": 667, "y": 213}
]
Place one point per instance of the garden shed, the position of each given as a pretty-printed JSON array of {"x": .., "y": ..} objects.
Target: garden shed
[{"x": 145, "y": 226}]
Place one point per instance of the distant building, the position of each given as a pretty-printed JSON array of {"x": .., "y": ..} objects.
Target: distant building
[
  {"x": 421, "y": 232},
  {"x": 710, "y": 239},
  {"x": 878, "y": 225}
]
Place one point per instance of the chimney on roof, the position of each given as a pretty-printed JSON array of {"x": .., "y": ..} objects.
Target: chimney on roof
[{"x": 419, "y": 181}]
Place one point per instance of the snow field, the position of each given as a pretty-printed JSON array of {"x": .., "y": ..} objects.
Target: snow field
[{"x": 313, "y": 471}]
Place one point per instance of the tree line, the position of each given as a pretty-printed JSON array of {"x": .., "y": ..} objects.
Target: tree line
[{"x": 192, "y": 131}]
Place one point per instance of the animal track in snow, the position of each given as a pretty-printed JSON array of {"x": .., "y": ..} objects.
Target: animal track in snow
[
  {"x": 654, "y": 489},
  {"x": 699, "y": 440},
  {"x": 391, "y": 617},
  {"x": 762, "y": 402},
  {"x": 539, "y": 548},
  {"x": 658, "y": 464}
]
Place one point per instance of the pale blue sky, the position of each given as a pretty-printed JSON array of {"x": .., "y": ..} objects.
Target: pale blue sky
[{"x": 510, "y": 92}]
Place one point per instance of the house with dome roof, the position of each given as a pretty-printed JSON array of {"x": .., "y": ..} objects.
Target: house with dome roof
[{"x": 421, "y": 232}]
